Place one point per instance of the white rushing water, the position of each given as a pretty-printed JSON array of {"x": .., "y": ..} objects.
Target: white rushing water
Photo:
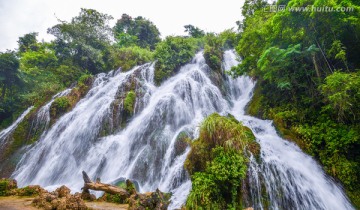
[
  {"x": 148, "y": 149},
  {"x": 4, "y": 134},
  {"x": 292, "y": 179},
  {"x": 42, "y": 118}
]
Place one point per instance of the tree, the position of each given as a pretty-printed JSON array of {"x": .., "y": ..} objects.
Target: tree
[
  {"x": 250, "y": 6},
  {"x": 28, "y": 42},
  {"x": 9, "y": 72},
  {"x": 194, "y": 31},
  {"x": 171, "y": 54},
  {"x": 146, "y": 33},
  {"x": 84, "y": 39}
]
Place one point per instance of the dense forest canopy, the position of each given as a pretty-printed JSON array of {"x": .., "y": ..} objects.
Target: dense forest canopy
[
  {"x": 308, "y": 72},
  {"x": 307, "y": 67}
]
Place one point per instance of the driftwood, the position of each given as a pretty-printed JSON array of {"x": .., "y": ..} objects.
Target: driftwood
[
  {"x": 152, "y": 200},
  {"x": 98, "y": 186}
]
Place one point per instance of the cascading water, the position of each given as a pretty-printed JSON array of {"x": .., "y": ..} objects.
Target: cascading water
[
  {"x": 292, "y": 179},
  {"x": 147, "y": 149},
  {"x": 4, "y": 134},
  {"x": 42, "y": 118}
]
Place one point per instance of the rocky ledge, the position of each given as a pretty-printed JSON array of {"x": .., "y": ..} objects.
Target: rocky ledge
[{"x": 62, "y": 199}]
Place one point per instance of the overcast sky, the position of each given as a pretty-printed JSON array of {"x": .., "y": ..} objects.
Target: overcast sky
[{"x": 18, "y": 17}]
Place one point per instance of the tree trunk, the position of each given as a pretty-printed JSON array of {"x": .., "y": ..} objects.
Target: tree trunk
[{"x": 98, "y": 186}]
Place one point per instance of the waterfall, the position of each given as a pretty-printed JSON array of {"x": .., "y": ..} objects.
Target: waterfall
[
  {"x": 147, "y": 149},
  {"x": 42, "y": 118},
  {"x": 292, "y": 179},
  {"x": 4, "y": 134}
]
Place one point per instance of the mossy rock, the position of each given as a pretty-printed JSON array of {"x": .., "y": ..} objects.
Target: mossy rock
[
  {"x": 181, "y": 143},
  {"x": 129, "y": 102},
  {"x": 217, "y": 163},
  {"x": 6, "y": 186},
  {"x": 59, "y": 106},
  {"x": 217, "y": 131},
  {"x": 255, "y": 106}
]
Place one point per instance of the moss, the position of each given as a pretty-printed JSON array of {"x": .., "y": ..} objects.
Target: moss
[
  {"x": 217, "y": 163},
  {"x": 254, "y": 107},
  {"x": 59, "y": 107},
  {"x": 85, "y": 79},
  {"x": 181, "y": 143},
  {"x": 354, "y": 196},
  {"x": 3, "y": 187},
  {"x": 213, "y": 52},
  {"x": 171, "y": 54},
  {"x": 7, "y": 186},
  {"x": 117, "y": 198},
  {"x": 20, "y": 136},
  {"x": 129, "y": 102},
  {"x": 128, "y": 57},
  {"x": 27, "y": 191},
  {"x": 24, "y": 134},
  {"x": 216, "y": 131}
]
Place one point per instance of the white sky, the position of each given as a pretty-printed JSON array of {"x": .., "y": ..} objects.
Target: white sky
[{"x": 18, "y": 17}]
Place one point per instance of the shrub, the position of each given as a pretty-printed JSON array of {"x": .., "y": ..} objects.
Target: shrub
[
  {"x": 59, "y": 106},
  {"x": 129, "y": 102},
  {"x": 128, "y": 57},
  {"x": 213, "y": 51},
  {"x": 171, "y": 54},
  {"x": 217, "y": 163}
]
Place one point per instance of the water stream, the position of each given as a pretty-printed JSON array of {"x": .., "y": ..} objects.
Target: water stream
[{"x": 147, "y": 149}]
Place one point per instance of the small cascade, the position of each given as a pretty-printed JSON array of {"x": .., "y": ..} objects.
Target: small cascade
[
  {"x": 6, "y": 133},
  {"x": 42, "y": 119}
]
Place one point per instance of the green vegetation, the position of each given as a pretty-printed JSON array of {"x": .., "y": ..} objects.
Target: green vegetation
[
  {"x": 217, "y": 163},
  {"x": 138, "y": 31},
  {"x": 129, "y": 102},
  {"x": 215, "y": 45},
  {"x": 3, "y": 187},
  {"x": 194, "y": 31},
  {"x": 59, "y": 106},
  {"x": 117, "y": 198},
  {"x": 10, "y": 84},
  {"x": 307, "y": 67},
  {"x": 27, "y": 191},
  {"x": 306, "y": 64},
  {"x": 7, "y": 186},
  {"x": 128, "y": 57},
  {"x": 213, "y": 51},
  {"x": 171, "y": 54}
]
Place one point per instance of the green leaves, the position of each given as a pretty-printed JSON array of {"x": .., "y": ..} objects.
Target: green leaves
[
  {"x": 139, "y": 31},
  {"x": 84, "y": 40},
  {"x": 308, "y": 63},
  {"x": 342, "y": 90},
  {"x": 194, "y": 31},
  {"x": 129, "y": 102},
  {"x": 213, "y": 51},
  {"x": 171, "y": 54},
  {"x": 217, "y": 187},
  {"x": 283, "y": 67},
  {"x": 217, "y": 163},
  {"x": 9, "y": 72}
]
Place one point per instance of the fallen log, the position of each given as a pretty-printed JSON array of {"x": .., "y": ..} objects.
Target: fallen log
[
  {"x": 98, "y": 186},
  {"x": 151, "y": 200}
]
